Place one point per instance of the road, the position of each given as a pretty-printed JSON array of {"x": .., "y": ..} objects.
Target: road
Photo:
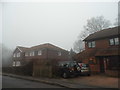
[{"x": 10, "y": 82}]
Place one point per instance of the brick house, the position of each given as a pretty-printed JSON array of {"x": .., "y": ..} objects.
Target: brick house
[
  {"x": 38, "y": 55},
  {"x": 102, "y": 51}
]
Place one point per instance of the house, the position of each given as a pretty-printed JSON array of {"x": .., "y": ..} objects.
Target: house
[
  {"x": 102, "y": 51},
  {"x": 38, "y": 55}
]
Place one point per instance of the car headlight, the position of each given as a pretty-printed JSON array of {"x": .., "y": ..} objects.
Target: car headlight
[{"x": 78, "y": 68}]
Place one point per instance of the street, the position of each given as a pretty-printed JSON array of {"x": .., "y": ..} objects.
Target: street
[{"x": 10, "y": 82}]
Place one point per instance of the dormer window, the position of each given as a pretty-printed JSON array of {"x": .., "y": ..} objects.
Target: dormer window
[
  {"x": 32, "y": 53},
  {"x": 59, "y": 53},
  {"x": 40, "y": 52},
  {"x": 91, "y": 44},
  {"x": 18, "y": 54}
]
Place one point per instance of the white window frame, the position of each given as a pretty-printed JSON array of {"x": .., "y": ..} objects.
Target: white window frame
[
  {"x": 91, "y": 44},
  {"x": 26, "y": 54},
  {"x": 32, "y": 53},
  {"x": 40, "y": 52},
  {"x": 13, "y": 63},
  {"x": 18, "y": 63},
  {"x": 116, "y": 41},
  {"x": 18, "y": 54},
  {"x": 111, "y": 41}
]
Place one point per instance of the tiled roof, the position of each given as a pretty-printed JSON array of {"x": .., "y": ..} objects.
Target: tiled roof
[
  {"x": 22, "y": 48},
  {"x": 104, "y": 33},
  {"x": 85, "y": 54},
  {"x": 97, "y": 52},
  {"x": 42, "y": 46},
  {"x": 48, "y": 46}
]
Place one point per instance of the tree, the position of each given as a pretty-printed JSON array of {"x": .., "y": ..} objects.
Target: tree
[
  {"x": 116, "y": 22},
  {"x": 78, "y": 46},
  {"x": 93, "y": 25},
  {"x": 6, "y": 56},
  {"x": 71, "y": 54}
]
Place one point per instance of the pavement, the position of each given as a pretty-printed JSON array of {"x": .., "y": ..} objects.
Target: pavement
[{"x": 93, "y": 81}]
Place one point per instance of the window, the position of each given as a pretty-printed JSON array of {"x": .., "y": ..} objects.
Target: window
[
  {"x": 14, "y": 55},
  {"x": 91, "y": 44},
  {"x": 39, "y": 52},
  {"x": 59, "y": 53},
  {"x": 18, "y": 63},
  {"x": 111, "y": 41},
  {"x": 114, "y": 41},
  {"x": 14, "y": 63},
  {"x": 26, "y": 54},
  {"x": 18, "y": 54},
  {"x": 32, "y": 53}
]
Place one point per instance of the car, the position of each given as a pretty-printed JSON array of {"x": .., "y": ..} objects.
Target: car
[
  {"x": 67, "y": 69},
  {"x": 85, "y": 69}
]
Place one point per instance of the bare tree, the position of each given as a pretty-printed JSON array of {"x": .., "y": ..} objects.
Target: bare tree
[
  {"x": 116, "y": 22},
  {"x": 71, "y": 54},
  {"x": 93, "y": 25},
  {"x": 78, "y": 46},
  {"x": 6, "y": 56}
]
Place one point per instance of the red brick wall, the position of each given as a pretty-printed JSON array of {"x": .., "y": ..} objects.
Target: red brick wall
[
  {"x": 46, "y": 54},
  {"x": 54, "y": 55},
  {"x": 103, "y": 43}
]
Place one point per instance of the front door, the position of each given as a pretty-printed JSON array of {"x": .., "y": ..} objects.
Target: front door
[{"x": 102, "y": 67}]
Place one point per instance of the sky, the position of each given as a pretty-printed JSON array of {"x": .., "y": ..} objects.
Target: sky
[{"x": 59, "y": 23}]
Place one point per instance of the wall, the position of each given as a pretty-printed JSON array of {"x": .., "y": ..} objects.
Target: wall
[{"x": 100, "y": 44}]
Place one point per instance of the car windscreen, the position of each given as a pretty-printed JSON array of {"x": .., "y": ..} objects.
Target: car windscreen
[
  {"x": 85, "y": 65},
  {"x": 68, "y": 63}
]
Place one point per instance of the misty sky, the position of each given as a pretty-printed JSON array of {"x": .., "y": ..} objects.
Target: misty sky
[{"x": 30, "y": 24}]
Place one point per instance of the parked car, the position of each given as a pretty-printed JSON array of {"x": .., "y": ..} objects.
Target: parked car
[
  {"x": 68, "y": 68},
  {"x": 85, "y": 69}
]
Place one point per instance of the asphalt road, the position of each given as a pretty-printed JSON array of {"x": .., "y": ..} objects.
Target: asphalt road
[{"x": 10, "y": 82}]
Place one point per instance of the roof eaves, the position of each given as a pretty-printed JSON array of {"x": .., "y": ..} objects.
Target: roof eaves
[{"x": 19, "y": 49}]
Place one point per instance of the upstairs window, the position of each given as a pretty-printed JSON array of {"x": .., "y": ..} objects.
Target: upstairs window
[
  {"x": 59, "y": 53},
  {"x": 114, "y": 41},
  {"x": 40, "y": 52},
  {"x": 18, "y": 54},
  {"x": 32, "y": 53},
  {"x": 111, "y": 41},
  {"x": 26, "y": 53},
  {"x": 91, "y": 44}
]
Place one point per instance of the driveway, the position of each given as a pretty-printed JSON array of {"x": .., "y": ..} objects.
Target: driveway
[{"x": 96, "y": 80}]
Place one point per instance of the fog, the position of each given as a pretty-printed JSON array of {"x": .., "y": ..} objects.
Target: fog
[{"x": 30, "y": 24}]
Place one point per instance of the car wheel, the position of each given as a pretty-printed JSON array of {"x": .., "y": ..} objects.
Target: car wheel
[
  {"x": 88, "y": 74},
  {"x": 65, "y": 75}
]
